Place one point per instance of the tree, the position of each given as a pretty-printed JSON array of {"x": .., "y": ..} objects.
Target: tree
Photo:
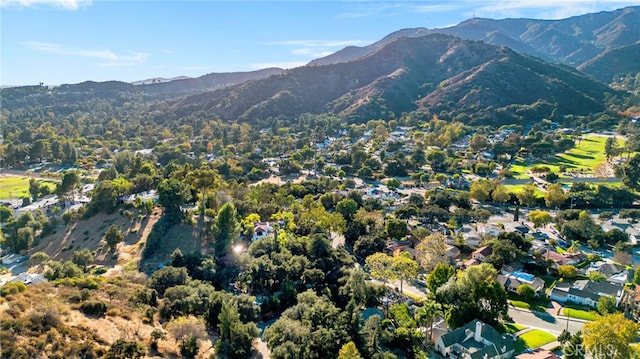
[
  {"x": 372, "y": 331},
  {"x": 478, "y": 142},
  {"x": 225, "y": 229},
  {"x": 500, "y": 194},
  {"x": 527, "y": 195},
  {"x": 474, "y": 294},
  {"x": 34, "y": 188},
  {"x": 481, "y": 189},
  {"x": 349, "y": 351},
  {"x": 70, "y": 180},
  {"x": 516, "y": 214},
  {"x": 167, "y": 277},
  {"x": 404, "y": 268},
  {"x": 187, "y": 331},
  {"x": 432, "y": 250},
  {"x": 611, "y": 148},
  {"x": 427, "y": 314},
  {"x": 539, "y": 218},
  {"x": 39, "y": 258},
  {"x": 631, "y": 172},
  {"x": 393, "y": 184},
  {"x": 437, "y": 159},
  {"x": 82, "y": 258},
  {"x": 396, "y": 228},
  {"x": 347, "y": 208},
  {"x": 606, "y": 305},
  {"x": 236, "y": 338},
  {"x": 113, "y": 236},
  {"x": 526, "y": 291},
  {"x": 172, "y": 194},
  {"x": 567, "y": 271},
  {"x": 555, "y": 196},
  {"x": 439, "y": 276},
  {"x": 380, "y": 266},
  {"x": 610, "y": 336}
]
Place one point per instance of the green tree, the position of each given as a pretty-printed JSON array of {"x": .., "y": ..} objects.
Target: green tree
[
  {"x": 172, "y": 194},
  {"x": 432, "y": 250},
  {"x": 347, "y": 208},
  {"x": 439, "y": 276},
  {"x": 426, "y": 316},
  {"x": 631, "y": 172},
  {"x": 380, "y": 266},
  {"x": 396, "y": 228},
  {"x": 500, "y": 194},
  {"x": 113, "y": 236},
  {"x": 610, "y": 337},
  {"x": 404, "y": 268},
  {"x": 167, "y": 277},
  {"x": 349, "y": 351},
  {"x": 82, "y": 258},
  {"x": 39, "y": 258},
  {"x": 606, "y": 305},
  {"x": 236, "y": 338},
  {"x": 393, "y": 184},
  {"x": 555, "y": 196},
  {"x": 611, "y": 148},
  {"x": 539, "y": 218},
  {"x": 481, "y": 189},
  {"x": 527, "y": 195},
  {"x": 526, "y": 291},
  {"x": 567, "y": 271},
  {"x": 225, "y": 229}
]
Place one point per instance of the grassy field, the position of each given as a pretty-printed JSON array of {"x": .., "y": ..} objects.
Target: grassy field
[
  {"x": 586, "y": 156},
  {"x": 537, "y": 338},
  {"x": 18, "y": 187},
  {"x": 516, "y": 188},
  {"x": 579, "y": 314}
]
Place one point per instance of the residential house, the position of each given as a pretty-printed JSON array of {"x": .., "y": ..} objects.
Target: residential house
[
  {"x": 469, "y": 235},
  {"x": 13, "y": 258},
  {"x": 614, "y": 272},
  {"x": 512, "y": 281},
  {"x": 538, "y": 354},
  {"x": 560, "y": 259},
  {"x": 475, "y": 340},
  {"x": 482, "y": 254},
  {"x": 261, "y": 230},
  {"x": 586, "y": 292},
  {"x": 489, "y": 229}
]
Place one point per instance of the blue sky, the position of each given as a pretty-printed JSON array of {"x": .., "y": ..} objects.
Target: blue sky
[{"x": 70, "y": 41}]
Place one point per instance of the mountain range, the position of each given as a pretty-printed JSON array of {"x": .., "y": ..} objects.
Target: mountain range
[
  {"x": 576, "y": 41},
  {"x": 487, "y": 71}
]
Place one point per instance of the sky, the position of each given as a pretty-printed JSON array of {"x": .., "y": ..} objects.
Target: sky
[{"x": 70, "y": 41}]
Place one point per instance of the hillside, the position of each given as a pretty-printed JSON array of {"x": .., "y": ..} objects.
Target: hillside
[
  {"x": 618, "y": 61},
  {"x": 572, "y": 41},
  {"x": 429, "y": 74}
]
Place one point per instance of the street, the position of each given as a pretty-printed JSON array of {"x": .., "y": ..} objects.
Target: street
[{"x": 544, "y": 321}]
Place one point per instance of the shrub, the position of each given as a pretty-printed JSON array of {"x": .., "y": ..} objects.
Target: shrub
[
  {"x": 12, "y": 288},
  {"x": 94, "y": 308}
]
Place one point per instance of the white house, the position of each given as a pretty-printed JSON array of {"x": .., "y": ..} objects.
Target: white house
[
  {"x": 261, "y": 230},
  {"x": 475, "y": 340},
  {"x": 586, "y": 292}
]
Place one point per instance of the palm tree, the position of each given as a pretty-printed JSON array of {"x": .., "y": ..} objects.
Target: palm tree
[
  {"x": 427, "y": 314},
  {"x": 575, "y": 247}
]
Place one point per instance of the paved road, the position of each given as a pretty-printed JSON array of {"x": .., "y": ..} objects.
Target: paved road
[{"x": 545, "y": 321}]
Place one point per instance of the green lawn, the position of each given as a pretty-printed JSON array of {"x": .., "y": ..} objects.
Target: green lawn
[
  {"x": 516, "y": 188},
  {"x": 586, "y": 156},
  {"x": 579, "y": 314},
  {"x": 512, "y": 328},
  {"x": 537, "y": 338},
  {"x": 18, "y": 187}
]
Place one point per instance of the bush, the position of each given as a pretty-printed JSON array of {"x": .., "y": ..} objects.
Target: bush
[
  {"x": 94, "y": 308},
  {"x": 12, "y": 288}
]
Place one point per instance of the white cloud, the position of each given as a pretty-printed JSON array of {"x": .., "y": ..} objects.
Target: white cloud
[
  {"x": 312, "y": 49},
  {"x": 110, "y": 58},
  {"x": 545, "y": 9},
  {"x": 283, "y": 65},
  {"x": 64, "y": 4}
]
